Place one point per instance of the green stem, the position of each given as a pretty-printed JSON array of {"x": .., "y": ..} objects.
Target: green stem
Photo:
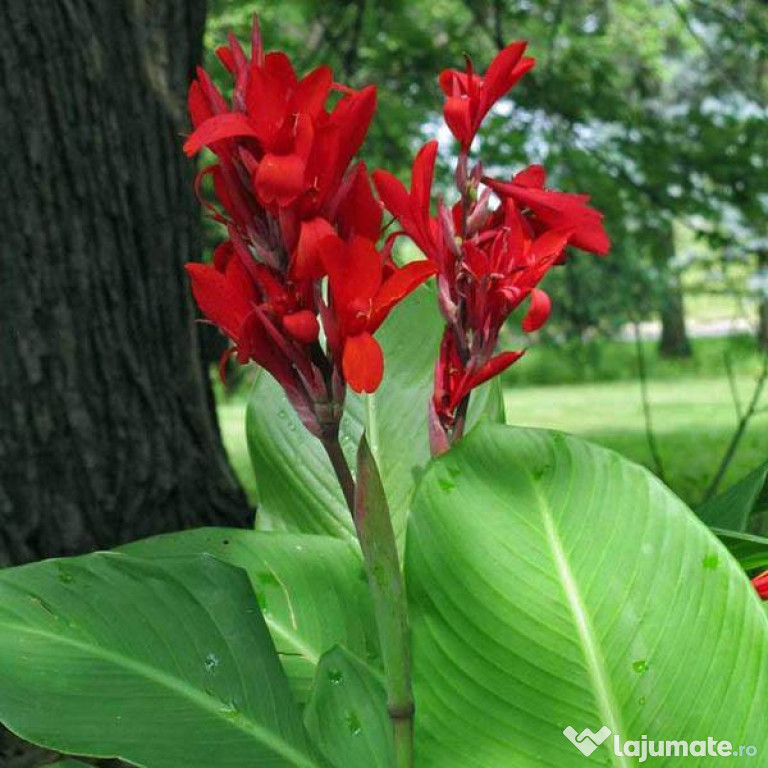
[
  {"x": 385, "y": 580},
  {"x": 403, "y": 732}
]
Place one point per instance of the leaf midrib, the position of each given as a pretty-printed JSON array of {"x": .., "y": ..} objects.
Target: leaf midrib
[
  {"x": 159, "y": 677},
  {"x": 589, "y": 644}
]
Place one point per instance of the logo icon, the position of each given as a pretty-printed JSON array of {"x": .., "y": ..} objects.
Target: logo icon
[{"x": 587, "y": 741}]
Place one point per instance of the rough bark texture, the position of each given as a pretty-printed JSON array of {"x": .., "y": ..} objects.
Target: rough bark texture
[{"x": 106, "y": 428}]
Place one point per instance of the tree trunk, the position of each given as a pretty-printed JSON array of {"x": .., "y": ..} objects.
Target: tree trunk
[
  {"x": 674, "y": 336},
  {"x": 106, "y": 428},
  {"x": 762, "y": 306}
]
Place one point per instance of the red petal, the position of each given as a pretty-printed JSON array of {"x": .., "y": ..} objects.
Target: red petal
[
  {"x": 363, "y": 363},
  {"x": 302, "y": 326},
  {"x": 502, "y": 72},
  {"x": 306, "y": 261},
  {"x": 475, "y": 260},
  {"x": 359, "y": 213},
  {"x": 560, "y": 210},
  {"x": 353, "y": 115},
  {"x": 257, "y": 47},
  {"x": 421, "y": 177},
  {"x": 266, "y": 103},
  {"x": 278, "y": 65},
  {"x": 226, "y": 58},
  {"x": 392, "y": 193},
  {"x": 402, "y": 282},
  {"x": 222, "y": 254},
  {"x": 197, "y": 105},
  {"x": 216, "y": 128},
  {"x": 258, "y": 345},
  {"x": 549, "y": 246},
  {"x": 280, "y": 178},
  {"x": 354, "y": 270},
  {"x": 311, "y": 93},
  {"x": 216, "y": 102},
  {"x": 493, "y": 368},
  {"x": 538, "y": 312},
  {"x": 221, "y": 298},
  {"x": 760, "y": 583},
  {"x": 532, "y": 176},
  {"x": 448, "y": 81},
  {"x": 456, "y": 112}
]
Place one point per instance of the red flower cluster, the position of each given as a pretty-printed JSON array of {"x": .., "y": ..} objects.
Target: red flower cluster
[
  {"x": 295, "y": 213},
  {"x": 489, "y": 260}
]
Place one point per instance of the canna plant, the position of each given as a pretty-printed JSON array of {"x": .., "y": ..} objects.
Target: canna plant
[{"x": 425, "y": 585}]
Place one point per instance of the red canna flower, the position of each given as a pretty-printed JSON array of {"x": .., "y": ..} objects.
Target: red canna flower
[
  {"x": 295, "y": 212},
  {"x": 550, "y": 209},
  {"x": 363, "y": 290},
  {"x": 760, "y": 583},
  {"x": 488, "y": 260},
  {"x": 470, "y": 96}
]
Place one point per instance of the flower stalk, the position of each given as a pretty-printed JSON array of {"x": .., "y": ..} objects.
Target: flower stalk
[{"x": 341, "y": 468}]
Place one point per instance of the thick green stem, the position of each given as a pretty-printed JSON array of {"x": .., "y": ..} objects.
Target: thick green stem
[
  {"x": 377, "y": 541},
  {"x": 403, "y": 733}
]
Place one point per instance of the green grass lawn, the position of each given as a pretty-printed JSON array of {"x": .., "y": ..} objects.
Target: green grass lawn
[
  {"x": 693, "y": 422},
  {"x": 692, "y": 410}
]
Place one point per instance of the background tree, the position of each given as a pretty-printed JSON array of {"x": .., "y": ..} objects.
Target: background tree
[{"x": 106, "y": 425}]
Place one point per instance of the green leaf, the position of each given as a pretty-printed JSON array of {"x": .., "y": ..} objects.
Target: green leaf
[
  {"x": 68, "y": 764},
  {"x": 751, "y": 551},
  {"x": 732, "y": 509},
  {"x": 347, "y": 714},
  {"x": 552, "y": 584},
  {"x": 162, "y": 663},
  {"x": 311, "y": 589},
  {"x": 385, "y": 580},
  {"x": 297, "y": 488}
]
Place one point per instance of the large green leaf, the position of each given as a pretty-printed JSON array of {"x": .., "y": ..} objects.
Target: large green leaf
[
  {"x": 297, "y": 488},
  {"x": 347, "y": 714},
  {"x": 553, "y": 584},
  {"x": 163, "y": 663},
  {"x": 311, "y": 589},
  {"x": 733, "y": 508}
]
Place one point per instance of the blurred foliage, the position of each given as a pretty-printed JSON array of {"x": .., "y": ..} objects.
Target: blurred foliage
[
  {"x": 598, "y": 360},
  {"x": 654, "y": 107}
]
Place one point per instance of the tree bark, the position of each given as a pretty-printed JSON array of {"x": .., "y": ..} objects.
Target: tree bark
[
  {"x": 762, "y": 306},
  {"x": 106, "y": 428},
  {"x": 674, "y": 340}
]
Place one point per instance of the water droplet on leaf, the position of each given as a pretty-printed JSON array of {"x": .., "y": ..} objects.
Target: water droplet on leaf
[
  {"x": 336, "y": 676},
  {"x": 640, "y": 666},
  {"x": 353, "y": 724},
  {"x": 211, "y": 662},
  {"x": 710, "y": 562}
]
